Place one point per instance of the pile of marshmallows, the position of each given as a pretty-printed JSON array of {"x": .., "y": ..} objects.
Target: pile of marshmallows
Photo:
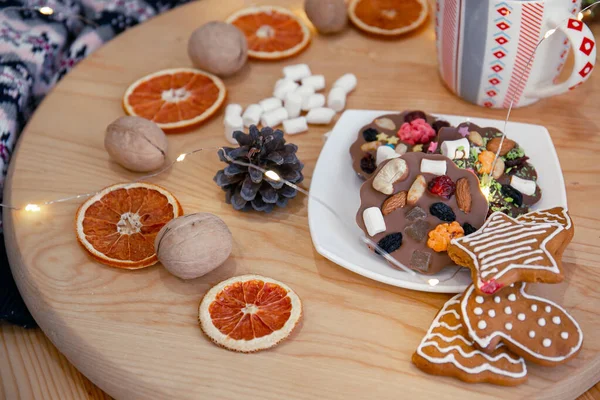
[{"x": 289, "y": 99}]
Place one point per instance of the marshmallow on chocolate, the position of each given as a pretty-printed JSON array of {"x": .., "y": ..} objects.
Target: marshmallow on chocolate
[{"x": 523, "y": 185}]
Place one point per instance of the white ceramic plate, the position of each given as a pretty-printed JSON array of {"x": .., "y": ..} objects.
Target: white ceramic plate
[{"x": 335, "y": 183}]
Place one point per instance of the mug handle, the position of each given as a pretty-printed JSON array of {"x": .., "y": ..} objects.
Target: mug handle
[{"x": 584, "y": 51}]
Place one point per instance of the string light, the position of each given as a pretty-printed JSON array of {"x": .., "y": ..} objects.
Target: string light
[
  {"x": 181, "y": 158},
  {"x": 46, "y": 10},
  {"x": 273, "y": 176},
  {"x": 580, "y": 16},
  {"x": 32, "y": 208},
  {"x": 550, "y": 32},
  {"x": 433, "y": 282}
]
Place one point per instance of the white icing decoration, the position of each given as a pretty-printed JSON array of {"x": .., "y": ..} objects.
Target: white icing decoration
[
  {"x": 484, "y": 341},
  {"x": 521, "y": 317},
  {"x": 512, "y": 297},
  {"x": 546, "y": 342},
  {"x": 548, "y": 309},
  {"x": 564, "y": 335},
  {"x": 509, "y": 242},
  {"x": 541, "y": 322},
  {"x": 556, "y": 320},
  {"x": 450, "y": 358},
  {"x": 451, "y": 327},
  {"x": 546, "y": 217},
  {"x": 491, "y": 313},
  {"x": 497, "y": 299},
  {"x": 533, "y": 307},
  {"x": 479, "y": 300},
  {"x": 532, "y": 334},
  {"x": 508, "y": 326},
  {"x": 507, "y": 310},
  {"x": 478, "y": 311},
  {"x": 482, "y": 324}
]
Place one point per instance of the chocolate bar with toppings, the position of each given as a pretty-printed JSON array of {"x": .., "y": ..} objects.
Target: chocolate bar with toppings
[{"x": 414, "y": 205}]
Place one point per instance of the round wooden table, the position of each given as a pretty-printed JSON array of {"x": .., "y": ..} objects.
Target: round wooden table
[{"x": 135, "y": 333}]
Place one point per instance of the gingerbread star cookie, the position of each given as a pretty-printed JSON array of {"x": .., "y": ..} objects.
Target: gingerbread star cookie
[
  {"x": 534, "y": 328},
  {"x": 506, "y": 250},
  {"x": 447, "y": 350},
  {"x": 557, "y": 215}
]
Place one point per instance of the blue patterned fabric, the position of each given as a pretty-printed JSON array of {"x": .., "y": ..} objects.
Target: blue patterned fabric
[{"x": 36, "y": 51}]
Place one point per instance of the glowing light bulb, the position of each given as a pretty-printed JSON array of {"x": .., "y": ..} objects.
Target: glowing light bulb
[
  {"x": 433, "y": 282},
  {"x": 486, "y": 191},
  {"x": 272, "y": 175},
  {"x": 46, "y": 10},
  {"x": 550, "y": 32},
  {"x": 181, "y": 158},
  {"x": 580, "y": 16},
  {"x": 32, "y": 208}
]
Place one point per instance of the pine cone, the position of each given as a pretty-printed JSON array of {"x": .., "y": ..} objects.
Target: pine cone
[{"x": 246, "y": 188}]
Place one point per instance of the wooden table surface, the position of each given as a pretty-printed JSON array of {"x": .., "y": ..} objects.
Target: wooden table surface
[{"x": 135, "y": 333}]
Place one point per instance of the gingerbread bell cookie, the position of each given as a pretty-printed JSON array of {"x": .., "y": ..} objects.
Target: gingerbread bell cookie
[
  {"x": 507, "y": 250},
  {"x": 534, "y": 328},
  {"x": 448, "y": 350}
]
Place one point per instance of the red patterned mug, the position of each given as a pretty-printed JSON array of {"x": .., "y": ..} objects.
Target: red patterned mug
[{"x": 484, "y": 46}]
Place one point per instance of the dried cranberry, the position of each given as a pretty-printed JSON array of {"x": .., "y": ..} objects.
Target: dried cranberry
[
  {"x": 442, "y": 186},
  {"x": 411, "y": 116},
  {"x": 468, "y": 228},
  {"x": 370, "y": 135},
  {"x": 513, "y": 193},
  {"x": 367, "y": 164},
  {"x": 439, "y": 124},
  {"x": 390, "y": 243},
  {"x": 491, "y": 287},
  {"x": 443, "y": 212}
]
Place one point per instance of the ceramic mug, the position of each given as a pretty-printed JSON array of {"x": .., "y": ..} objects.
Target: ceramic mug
[{"x": 483, "y": 47}]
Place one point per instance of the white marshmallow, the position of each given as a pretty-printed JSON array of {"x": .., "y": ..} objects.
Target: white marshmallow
[
  {"x": 284, "y": 88},
  {"x": 456, "y": 149},
  {"x": 373, "y": 219},
  {"x": 385, "y": 153},
  {"x": 233, "y": 123},
  {"x": 274, "y": 117},
  {"x": 233, "y": 109},
  {"x": 317, "y": 82},
  {"x": 436, "y": 167},
  {"x": 305, "y": 91},
  {"x": 293, "y": 104},
  {"x": 252, "y": 115},
  {"x": 313, "y": 101},
  {"x": 296, "y": 72},
  {"x": 320, "y": 116},
  {"x": 295, "y": 125},
  {"x": 336, "y": 99},
  {"x": 280, "y": 81},
  {"x": 347, "y": 82},
  {"x": 524, "y": 186},
  {"x": 270, "y": 104}
]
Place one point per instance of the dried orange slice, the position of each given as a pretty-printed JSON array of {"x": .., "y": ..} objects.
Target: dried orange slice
[
  {"x": 272, "y": 32},
  {"x": 175, "y": 99},
  {"x": 388, "y": 17},
  {"x": 249, "y": 313},
  {"x": 118, "y": 225}
]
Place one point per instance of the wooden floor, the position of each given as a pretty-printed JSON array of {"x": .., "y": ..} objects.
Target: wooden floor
[{"x": 32, "y": 368}]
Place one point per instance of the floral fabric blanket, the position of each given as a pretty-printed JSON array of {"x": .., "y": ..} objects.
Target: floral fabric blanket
[{"x": 40, "y": 41}]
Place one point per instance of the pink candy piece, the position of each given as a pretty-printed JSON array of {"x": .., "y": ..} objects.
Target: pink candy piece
[
  {"x": 432, "y": 147},
  {"x": 417, "y": 131}
]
